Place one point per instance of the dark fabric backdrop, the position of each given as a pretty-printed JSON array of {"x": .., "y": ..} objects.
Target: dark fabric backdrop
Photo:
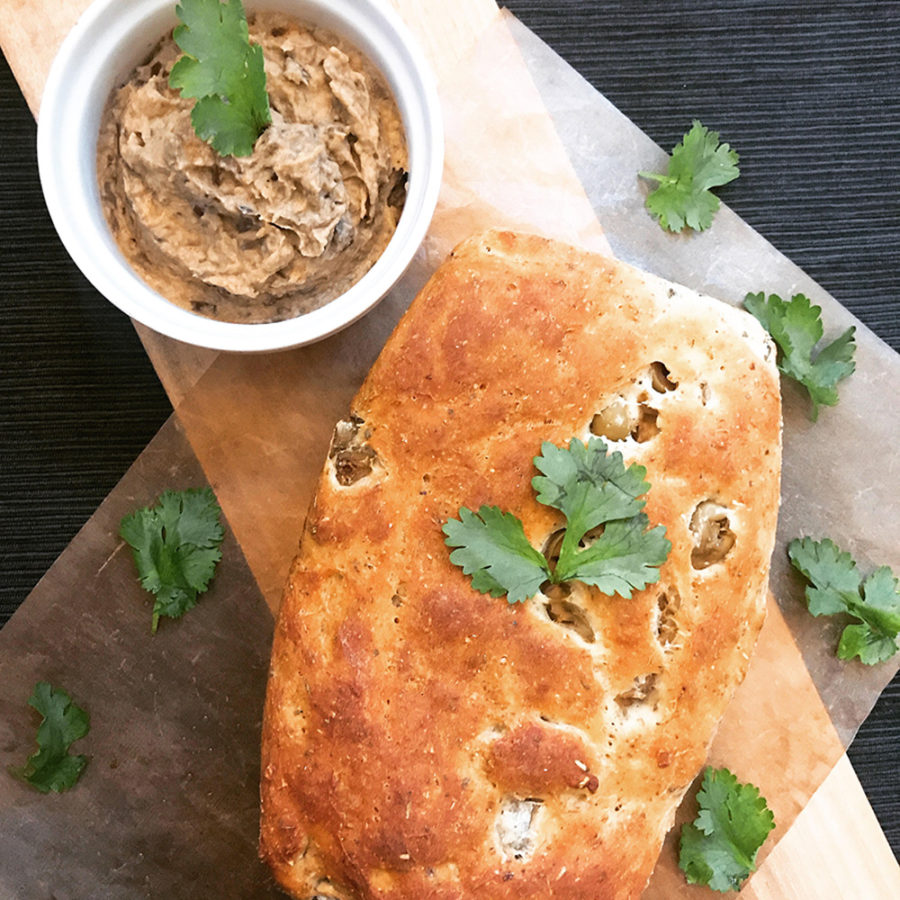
[{"x": 808, "y": 93}]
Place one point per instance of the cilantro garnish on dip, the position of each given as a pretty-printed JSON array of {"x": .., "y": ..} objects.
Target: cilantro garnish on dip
[{"x": 224, "y": 72}]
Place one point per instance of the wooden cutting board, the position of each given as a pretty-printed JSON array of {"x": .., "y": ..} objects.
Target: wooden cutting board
[{"x": 835, "y": 848}]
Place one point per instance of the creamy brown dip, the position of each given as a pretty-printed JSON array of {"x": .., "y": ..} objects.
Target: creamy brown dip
[{"x": 271, "y": 235}]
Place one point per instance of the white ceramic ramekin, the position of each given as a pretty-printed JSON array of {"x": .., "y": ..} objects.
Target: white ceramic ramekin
[{"x": 101, "y": 51}]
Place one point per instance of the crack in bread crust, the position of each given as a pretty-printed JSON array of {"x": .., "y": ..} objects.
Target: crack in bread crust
[{"x": 408, "y": 717}]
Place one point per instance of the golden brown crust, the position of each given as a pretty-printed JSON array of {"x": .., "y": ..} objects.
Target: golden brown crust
[{"x": 422, "y": 740}]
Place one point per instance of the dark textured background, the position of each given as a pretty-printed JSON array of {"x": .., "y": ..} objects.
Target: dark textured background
[{"x": 809, "y": 94}]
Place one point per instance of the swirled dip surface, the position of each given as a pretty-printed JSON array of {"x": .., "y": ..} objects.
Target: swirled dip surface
[{"x": 271, "y": 235}]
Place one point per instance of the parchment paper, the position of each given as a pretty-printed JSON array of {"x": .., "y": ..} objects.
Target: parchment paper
[
  {"x": 260, "y": 427},
  {"x": 168, "y": 803}
]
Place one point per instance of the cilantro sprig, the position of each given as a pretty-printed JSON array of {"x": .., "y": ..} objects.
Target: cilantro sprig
[
  {"x": 796, "y": 327},
  {"x": 176, "y": 548},
  {"x": 719, "y": 848},
  {"x": 224, "y": 72},
  {"x": 836, "y": 587},
  {"x": 698, "y": 164},
  {"x": 51, "y": 767},
  {"x": 594, "y": 490}
]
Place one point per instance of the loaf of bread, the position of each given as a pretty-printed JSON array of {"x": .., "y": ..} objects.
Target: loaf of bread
[{"x": 424, "y": 740}]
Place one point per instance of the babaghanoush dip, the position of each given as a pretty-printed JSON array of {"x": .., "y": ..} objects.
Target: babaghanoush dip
[{"x": 269, "y": 236}]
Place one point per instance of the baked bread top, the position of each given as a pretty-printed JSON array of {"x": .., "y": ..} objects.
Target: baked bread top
[{"x": 424, "y": 740}]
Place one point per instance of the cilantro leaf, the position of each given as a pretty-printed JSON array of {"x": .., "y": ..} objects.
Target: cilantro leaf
[
  {"x": 493, "y": 549},
  {"x": 224, "y": 72},
  {"x": 866, "y": 643},
  {"x": 52, "y": 767},
  {"x": 796, "y": 327},
  {"x": 176, "y": 548},
  {"x": 588, "y": 485},
  {"x": 593, "y": 490},
  {"x": 696, "y": 165},
  {"x": 720, "y": 846},
  {"x": 624, "y": 558},
  {"x": 836, "y": 586}
]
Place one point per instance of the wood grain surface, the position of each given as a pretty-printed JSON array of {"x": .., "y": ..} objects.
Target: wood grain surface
[{"x": 809, "y": 95}]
